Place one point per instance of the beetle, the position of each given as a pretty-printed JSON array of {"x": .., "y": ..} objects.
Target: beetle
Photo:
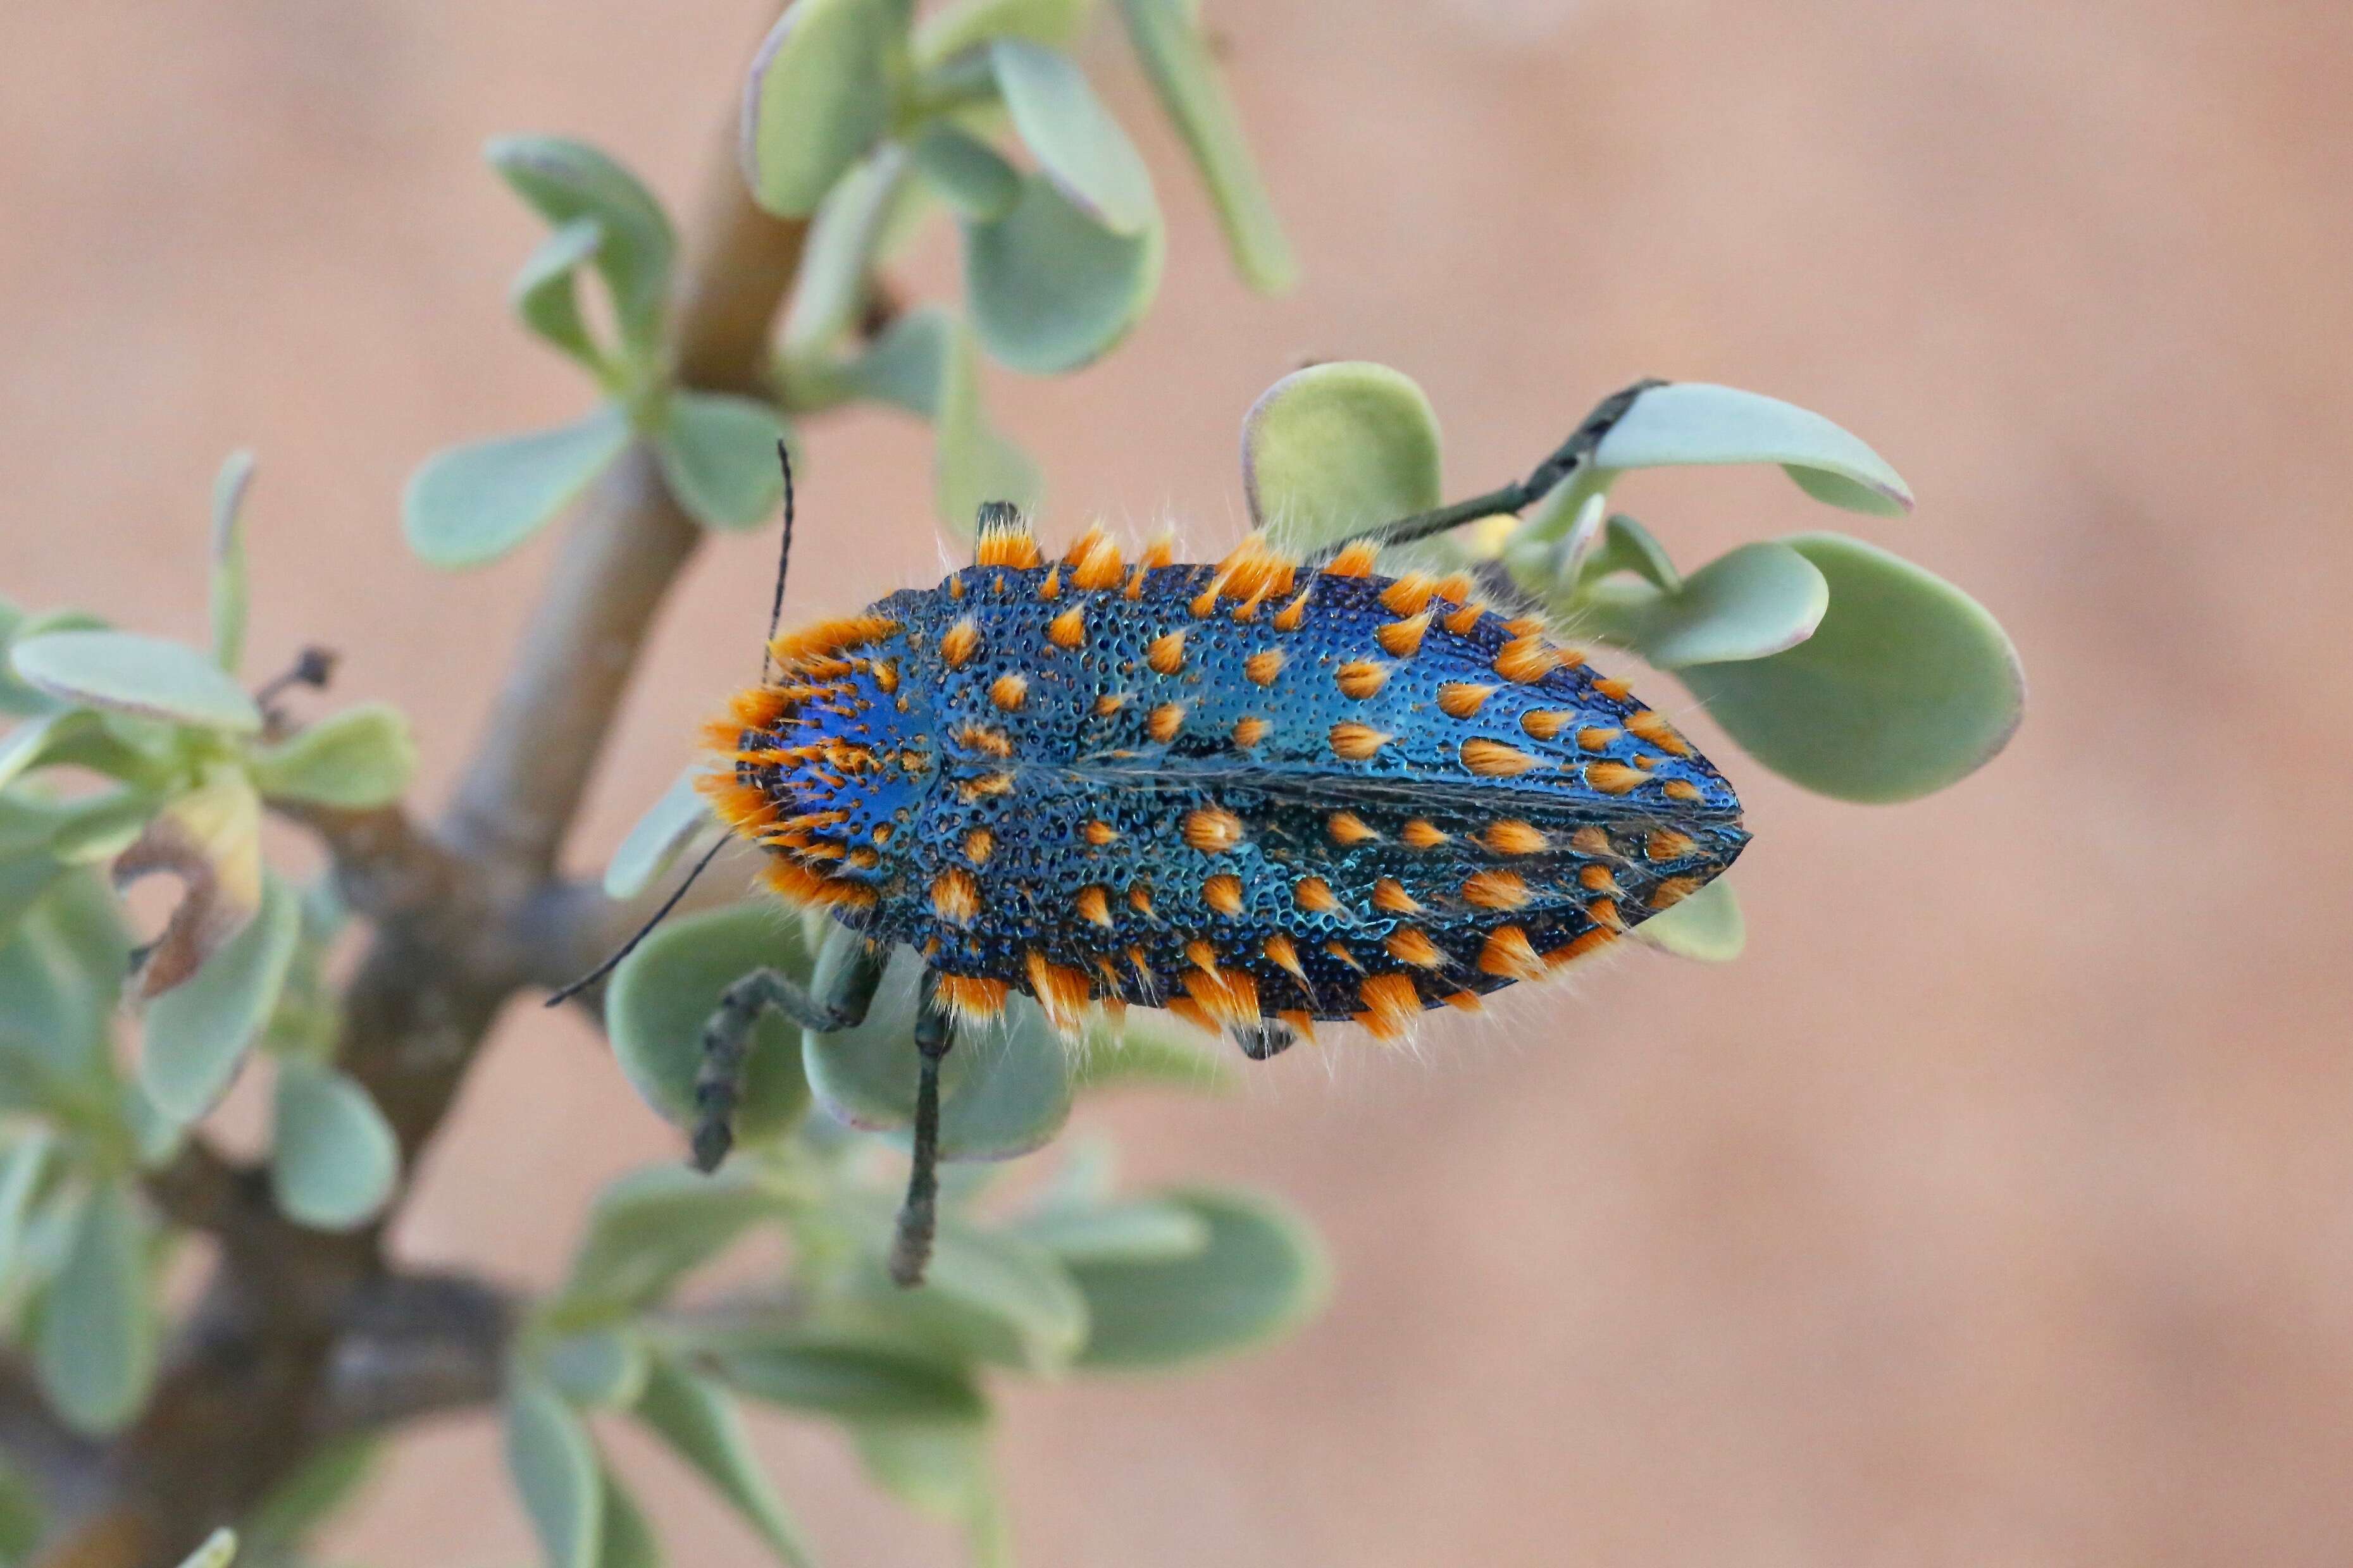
[{"x": 1261, "y": 793}]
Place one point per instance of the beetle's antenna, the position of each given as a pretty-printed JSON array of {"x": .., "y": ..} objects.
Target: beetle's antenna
[
  {"x": 645, "y": 931},
  {"x": 784, "y": 559}
]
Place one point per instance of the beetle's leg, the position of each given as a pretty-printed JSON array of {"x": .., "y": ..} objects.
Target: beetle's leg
[
  {"x": 1265, "y": 1038},
  {"x": 911, "y": 1248},
  {"x": 848, "y": 970}
]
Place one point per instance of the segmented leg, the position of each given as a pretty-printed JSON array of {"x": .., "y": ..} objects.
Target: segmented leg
[
  {"x": 910, "y": 1248},
  {"x": 840, "y": 993}
]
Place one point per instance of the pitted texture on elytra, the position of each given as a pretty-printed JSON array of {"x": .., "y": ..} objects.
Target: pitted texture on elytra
[{"x": 1157, "y": 712}]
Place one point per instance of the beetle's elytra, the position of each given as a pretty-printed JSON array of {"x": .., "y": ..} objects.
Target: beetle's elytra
[{"x": 1257, "y": 794}]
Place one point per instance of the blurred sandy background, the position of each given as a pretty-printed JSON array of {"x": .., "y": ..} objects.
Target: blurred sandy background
[{"x": 1996, "y": 1208}]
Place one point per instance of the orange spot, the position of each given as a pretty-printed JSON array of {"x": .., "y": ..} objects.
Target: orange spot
[
  {"x": 1134, "y": 589},
  {"x": 1009, "y": 692},
  {"x": 1595, "y": 737},
  {"x": 1390, "y": 1005},
  {"x": 1460, "y": 699},
  {"x": 984, "y": 738},
  {"x": 1109, "y": 703},
  {"x": 1166, "y": 654},
  {"x": 1069, "y": 629},
  {"x": 1465, "y": 1000},
  {"x": 1231, "y": 995},
  {"x": 1462, "y": 621},
  {"x": 1052, "y": 588},
  {"x": 1652, "y": 726},
  {"x": 971, "y": 998},
  {"x": 1185, "y": 1007},
  {"x": 1604, "y": 912},
  {"x": 1256, "y": 570},
  {"x": 809, "y": 646},
  {"x": 1495, "y": 891},
  {"x": 1143, "y": 974},
  {"x": 1419, "y": 834},
  {"x": 1407, "y": 945},
  {"x": 1512, "y": 837},
  {"x": 1279, "y": 953},
  {"x": 1391, "y": 895},
  {"x": 1590, "y": 941},
  {"x": 1062, "y": 993},
  {"x": 1005, "y": 540},
  {"x": 1223, "y": 894},
  {"x": 1161, "y": 551},
  {"x": 1249, "y": 732},
  {"x": 1204, "y": 604},
  {"x": 1524, "y": 625},
  {"x": 955, "y": 586},
  {"x": 1407, "y": 594},
  {"x": 1666, "y": 844},
  {"x": 1544, "y": 723},
  {"x": 1165, "y": 721},
  {"x": 1493, "y": 758},
  {"x": 1094, "y": 907},
  {"x": 1264, "y": 665},
  {"x": 984, "y": 786},
  {"x": 978, "y": 845},
  {"x": 1525, "y": 660},
  {"x": 1303, "y": 1023},
  {"x": 1340, "y": 951},
  {"x": 1354, "y": 561},
  {"x": 1139, "y": 898},
  {"x": 1455, "y": 587},
  {"x": 1362, "y": 678},
  {"x": 1680, "y": 789},
  {"x": 1598, "y": 879},
  {"x": 741, "y": 805},
  {"x": 798, "y": 883},
  {"x": 1099, "y": 833},
  {"x": 1400, "y": 639},
  {"x": 1508, "y": 953},
  {"x": 1093, "y": 559},
  {"x": 956, "y": 897},
  {"x": 1288, "y": 618},
  {"x": 1592, "y": 841},
  {"x": 1201, "y": 956},
  {"x": 1673, "y": 890},
  {"x": 1358, "y": 742},
  {"x": 864, "y": 860},
  {"x": 1615, "y": 689},
  {"x": 960, "y": 642},
  {"x": 1212, "y": 830},
  {"x": 1313, "y": 894},
  {"x": 1346, "y": 827},
  {"x": 1612, "y": 778}
]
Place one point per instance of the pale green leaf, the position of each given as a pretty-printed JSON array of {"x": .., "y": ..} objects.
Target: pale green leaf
[
  {"x": 23, "y": 1163},
  {"x": 198, "y": 1032},
  {"x": 1138, "y": 1230},
  {"x": 967, "y": 24},
  {"x": 1262, "y": 1275},
  {"x": 970, "y": 175},
  {"x": 1694, "y": 421},
  {"x": 824, "y": 88},
  {"x": 60, "y": 974},
  {"x": 556, "y": 1471},
  {"x": 1177, "y": 58},
  {"x": 564, "y": 181},
  {"x": 471, "y": 504},
  {"x": 334, "y": 1159},
  {"x": 718, "y": 453},
  {"x": 1077, "y": 142},
  {"x": 658, "y": 836},
  {"x": 1050, "y": 288},
  {"x": 228, "y": 584},
  {"x": 359, "y": 758},
  {"x": 602, "y": 1368},
  {"x": 126, "y": 673},
  {"x": 547, "y": 292},
  {"x": 988, "y": 1296},
  {"x": 96, "y": 1328},
  {"x": 847, "y": 1380},
  {"x": 972, "y": 463},
  {"x": 1706, "y": 926},
  {"x": 666, "y": 990},
  {"x": 907, "y": 367},
  {"x": 24, "y": 1519},
  {"x": 1335, "y": 450},
  {"x": 1907, "y": 686},
  {"x": 628, "y": 1541},
  {"x": 831, "y": 290},
  {"x": 650, "y": 1228},
  {"x": 941, "y": 1468},
  {"x": 700, "y": 1423},
  {"x": 218, "y": 1550},
  {"x": 1751, "y": 601}
]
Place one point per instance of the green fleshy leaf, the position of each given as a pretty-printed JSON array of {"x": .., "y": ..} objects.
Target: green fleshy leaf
[
  {"x": 359, "y": 758},
  {"x": 907, "y": 367},
  {"x": 1077, "y": 143},
  {"x": 60, "y": 977},
  {"x": 647, "y": 1230},
  {"x": 24, "y": 1519},
  {"x": 700, "y": 1423},
  {"x": 23, "y": 1163},
  {"x": 316, "y": 1492},
  {"x": 667, "y": 989},
  {"x": 1262, "y": 1275},
  {"x": 1140, "y": 1230},
  {"x": 96, "y": 1329},
  {"x": 229, "y": 585},
  {"x": 1906, "y": 687},
  {"x": 658, "y": 836},
  {"x": 564, "y": 181},
  {"x": 1750, "y": 603},
  {"x": 849, "y": 1381},
  {"x": 1050, "y": 290},
  {"x": 198, "y": 1032},
  {"x": 209, "y": 838},
  {"x": 24, "y": 878},
  {"x": 333, "y": 1160},
  {"x": 941, "y": 1468},
  {"x": 1706, "y": 926},
  {"x": 125, "y": 673},
  {"x": 78, "y": 737},
  {"x": 101, "y": 826},
  {"x": 1005, "y": 1090},
  {"x": 471, "y": 504},
  {"x": 972, "y": 463},
  {"x": 218, "y": 1550},
  {"x": 627, "y": 1540},
  {"x": 970, "y": 175},
  {"x": 602, "y": 1368},
  {"x": 1692, "y": 422},
  {"x": 1145, "y": 1051},
  {"x": 988, "y": 1296},
  {"x": 718, "y": 455},
  {"x": 556, "y": 1471},
  {"x": 1627, "y": 546},
  {"x": 967, "y": 24},
  {"x": 837, "y": 260},
  {"x": 1333, "y": 449},
  {"x": 547, "y": 292},
  {"x": 825, "y": 86},
  {"x": 16, "y": 698},
  {"x": 1177, "y": 58}
]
